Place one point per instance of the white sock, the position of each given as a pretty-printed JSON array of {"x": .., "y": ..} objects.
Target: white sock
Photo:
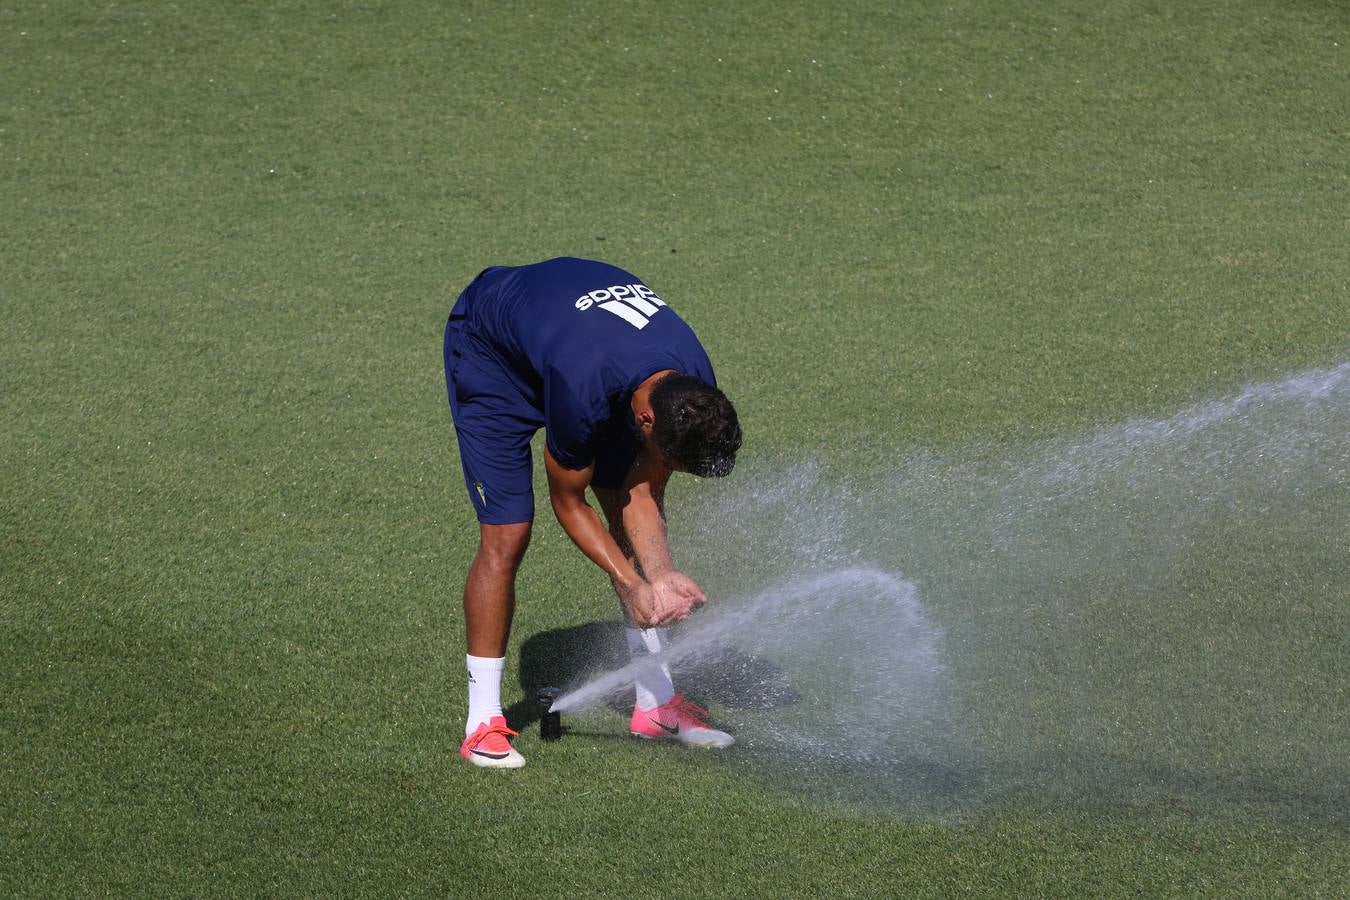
[
  {"x": 652, "y": 681},
  {"x": 485, "y": 690}
]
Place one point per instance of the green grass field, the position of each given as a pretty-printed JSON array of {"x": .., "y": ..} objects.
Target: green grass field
[{"x": 232, "y": 527}]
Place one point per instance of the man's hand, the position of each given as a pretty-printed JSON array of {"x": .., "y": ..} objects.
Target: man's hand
[
  {"x": 668, "y": 598},
  {"x": 640, "y": 604},
  {"x": 677, "y": 591}
]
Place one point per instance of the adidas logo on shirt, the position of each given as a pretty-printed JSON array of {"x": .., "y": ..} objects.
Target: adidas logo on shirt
[{"x": 634, "y": 303}]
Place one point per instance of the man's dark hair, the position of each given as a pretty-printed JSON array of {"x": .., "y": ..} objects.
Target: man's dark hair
[{"x": 695, "y": 424}]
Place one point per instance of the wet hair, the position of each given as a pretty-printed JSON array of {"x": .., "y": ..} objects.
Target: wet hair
[{"x": 695, "y": 424}]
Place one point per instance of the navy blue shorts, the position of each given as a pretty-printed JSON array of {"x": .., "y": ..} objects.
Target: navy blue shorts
[{"x": 497, "y": 411}]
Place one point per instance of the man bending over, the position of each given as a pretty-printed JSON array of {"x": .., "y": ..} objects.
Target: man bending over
[{"x": 626, "y": 395}]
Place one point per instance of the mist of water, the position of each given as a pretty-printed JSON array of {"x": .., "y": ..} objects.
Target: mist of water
[
  {"x": 822, "y": 627},
  {"x": 1153, "y": 616}
]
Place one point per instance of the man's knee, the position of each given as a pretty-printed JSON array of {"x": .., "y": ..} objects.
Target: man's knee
[{"x": 503, "y": 546}]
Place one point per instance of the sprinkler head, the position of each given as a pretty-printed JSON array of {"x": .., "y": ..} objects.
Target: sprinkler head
[{"x": 550, "y": 723}]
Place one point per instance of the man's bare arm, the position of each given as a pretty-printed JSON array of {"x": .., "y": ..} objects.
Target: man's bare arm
[
  {"x": 644, "y": 521},
  {"x": 567, "y": 492},
  {"x": 644, "y": 514}
]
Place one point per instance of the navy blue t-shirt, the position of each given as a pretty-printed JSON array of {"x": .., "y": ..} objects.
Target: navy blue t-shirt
[{"x": 581, "y": 335}]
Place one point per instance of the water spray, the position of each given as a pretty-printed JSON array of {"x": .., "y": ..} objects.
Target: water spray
[{"x": 1147, "y": 615}]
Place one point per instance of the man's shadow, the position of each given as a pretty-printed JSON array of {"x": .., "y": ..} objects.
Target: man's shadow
[{"x": 569, "y": 657}]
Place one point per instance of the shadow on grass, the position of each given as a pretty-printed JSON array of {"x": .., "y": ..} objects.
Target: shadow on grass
[
  {"x": 969, "y": 789},
  {"x": 569, "y": 657}
]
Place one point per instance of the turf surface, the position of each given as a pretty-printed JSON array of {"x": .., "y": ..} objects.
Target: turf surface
[{"x": 232, "y": 529}]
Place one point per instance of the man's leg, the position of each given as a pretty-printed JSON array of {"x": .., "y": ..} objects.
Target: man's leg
[
  {"x": 494, "y": 422},
  {"x": 489, "y": 602},
  {"x": 651, "y": 683},
  {"x": 490, "y": 591},
  {"x": 659, "y": 713}
]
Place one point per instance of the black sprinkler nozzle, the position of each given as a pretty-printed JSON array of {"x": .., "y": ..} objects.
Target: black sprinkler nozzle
[{"x": 550, "y": 723}]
